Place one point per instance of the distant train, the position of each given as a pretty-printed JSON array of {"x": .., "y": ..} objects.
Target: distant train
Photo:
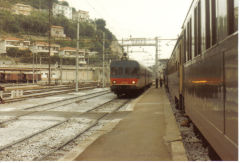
[
  {"x": 202, "y": 73},
  {"x": 17, "y": 77},
  {"x": 129, "y": 77}
]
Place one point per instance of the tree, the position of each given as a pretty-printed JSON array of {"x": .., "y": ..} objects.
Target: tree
[
  {"x": 64, "y": 3},
  {"x": 100, "y": 23}
]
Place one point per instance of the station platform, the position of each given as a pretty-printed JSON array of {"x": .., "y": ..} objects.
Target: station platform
[{"x": 148, "y": 133}]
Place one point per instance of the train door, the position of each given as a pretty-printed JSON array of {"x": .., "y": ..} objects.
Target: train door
[{"x": 181, "y": 76}]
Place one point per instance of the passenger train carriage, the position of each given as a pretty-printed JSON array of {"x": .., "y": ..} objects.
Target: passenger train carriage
[
  {"x": 202, "y": 73},
  {"x": 129, "y": 77}
]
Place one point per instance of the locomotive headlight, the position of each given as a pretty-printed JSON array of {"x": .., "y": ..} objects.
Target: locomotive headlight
[{"x": 133, "y": 82}]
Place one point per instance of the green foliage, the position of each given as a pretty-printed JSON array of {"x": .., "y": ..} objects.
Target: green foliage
[
  {"x": 5, "y": 4},
  {"x": 43, "y": 4},
  {"x": 91, "y": 33},
  {"x": 16, "y": 53},
  {"x": 100, "y": 23},
  {"x": 64, "y": 3}
]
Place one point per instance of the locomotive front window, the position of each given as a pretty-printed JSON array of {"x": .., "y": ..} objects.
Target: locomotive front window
[
  {"x": 113, "y": 71},
  {"x": 135, "y": 71},
  {"x": 127, "y": 71},
  {"x": 120, "y": 71}
]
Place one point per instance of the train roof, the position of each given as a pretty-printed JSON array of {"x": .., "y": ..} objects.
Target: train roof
[
  {"x": 189, "y": 10},
  {"x": 130, "y": 63},
  {"x": 125, "y": 62}
]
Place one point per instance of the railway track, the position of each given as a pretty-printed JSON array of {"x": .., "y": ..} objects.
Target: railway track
[
  {"x": 7, "y": 94},
  {"x": 45, "y": 93},
  {"x": 42, "y": 150},
  {"x": 49, "y": 106}
]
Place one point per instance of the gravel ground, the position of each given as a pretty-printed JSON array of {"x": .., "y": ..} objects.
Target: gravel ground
[
  {"x": 36, "y": 101},
  {"x": 193, "y": 146},
  {"x": 112, "y": 106},
  {"x": 86, "y": 137},
  {"x": 85, "y": 105},
  {"x": 41, "y": 144},
  {"x": 20, "y": 129}
]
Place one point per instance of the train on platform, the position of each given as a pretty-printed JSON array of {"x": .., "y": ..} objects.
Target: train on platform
[
  {"x": 202, "y": 73},
  {"x": 19, "y": 77},
  {"x": 129, "y": 77}
]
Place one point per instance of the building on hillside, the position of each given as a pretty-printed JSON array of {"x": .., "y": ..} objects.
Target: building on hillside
[
  {"x": 22, "y": 9},
  {"x": 69, "y": 52},
  {"x": 82, "y": 15},
  {"x": 13, "y": 42},
  {"x": 57, "y": 31},
  {"x": 43, "y": 47},
  {"x": 59, "y": 9}
]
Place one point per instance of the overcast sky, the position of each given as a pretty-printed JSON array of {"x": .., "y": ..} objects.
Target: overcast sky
[{"x": 139, "y": 18}]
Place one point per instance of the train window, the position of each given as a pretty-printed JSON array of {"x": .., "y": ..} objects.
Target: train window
[
  {"x": 222, "y": 23},
  {"x": 230, "y": 13},
  {"x": 207, "y": 23},
  {"x": 190, "y": 40},
  {"x": 232, "y": 7},
  {"x": 184, "y": 46},
  {"x": 235, "y": 15},
  {"x": 195, "y": 32},
  {"x": 199, "y": 29},
  {"x": 213, "y": 22}
]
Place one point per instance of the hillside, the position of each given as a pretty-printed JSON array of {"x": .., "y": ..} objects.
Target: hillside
[
  {"x": 35, "y": 27},
  {"x": 38, "y": 4}
]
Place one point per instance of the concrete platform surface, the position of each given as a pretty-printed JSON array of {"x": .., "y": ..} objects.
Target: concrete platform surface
[{"x": 149, "y": 133}]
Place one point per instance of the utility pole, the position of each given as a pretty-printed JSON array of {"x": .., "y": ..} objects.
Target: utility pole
[
  {"x": 122, "y": 47},
  {"x": 103, "y": 84},
  {"x": 156, "y": 63},
  {"x": 39, "y": 7},
  {"x": 77, "y": 55},
  {"x": 61, "y": 68},
  {"x": 33, "y": 68},
  {"x": 49, "y": 40},
  {"x": 87, "y": 61},
  {"x": 36, "y": 69}
]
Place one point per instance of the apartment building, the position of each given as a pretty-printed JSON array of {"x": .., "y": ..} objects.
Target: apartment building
[
  {"x": 70, "y": 52},
  {"x": 13, "y": 42},
  {"x": 22, "y": 9}
]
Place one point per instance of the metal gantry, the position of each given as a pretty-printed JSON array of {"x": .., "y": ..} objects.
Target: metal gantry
[{"x": 153, "y": 42}]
